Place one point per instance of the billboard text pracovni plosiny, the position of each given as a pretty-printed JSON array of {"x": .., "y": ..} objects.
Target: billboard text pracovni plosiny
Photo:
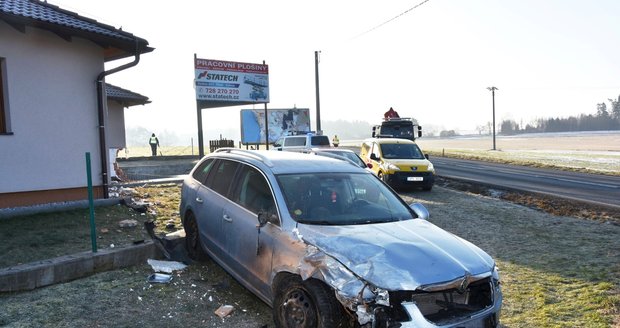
[{"x": 226, "y": 81}]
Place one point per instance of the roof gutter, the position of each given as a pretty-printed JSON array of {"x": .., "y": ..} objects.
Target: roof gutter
[{"x": 101, "y": 106}]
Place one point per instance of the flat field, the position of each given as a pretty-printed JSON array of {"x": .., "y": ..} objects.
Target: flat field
[
  {"x": 593, "y": 152},
  {"x": 599, "y": 142}
]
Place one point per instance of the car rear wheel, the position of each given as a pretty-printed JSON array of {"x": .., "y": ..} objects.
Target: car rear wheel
[
  {"x": 307, "y": 304},
  {"x": 192, "y": 238}
]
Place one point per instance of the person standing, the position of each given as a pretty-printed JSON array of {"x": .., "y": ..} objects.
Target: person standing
[
  {"x": 335, "y": 140},
  {"x": 390, "y": 114},
  {"x": 154, "y": 142}
]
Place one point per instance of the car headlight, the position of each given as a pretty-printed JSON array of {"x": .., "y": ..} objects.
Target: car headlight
[
  {"x": 496, "y": 278},
  {"x": 390, "y": 166},
  {"x": 431, "y": 167}
]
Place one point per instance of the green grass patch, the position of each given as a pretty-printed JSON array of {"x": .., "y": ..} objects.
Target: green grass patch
[
  {"x": 538, "y": 298},
  {"x": 48, "y": 235},
  {"x": 42, "y": 236}
]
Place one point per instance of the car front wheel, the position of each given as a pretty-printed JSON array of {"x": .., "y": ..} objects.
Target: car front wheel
[{"x": 307, "y": 304}]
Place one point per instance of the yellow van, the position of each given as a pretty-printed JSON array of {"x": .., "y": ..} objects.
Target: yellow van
[{"x": 399, "y": 162}]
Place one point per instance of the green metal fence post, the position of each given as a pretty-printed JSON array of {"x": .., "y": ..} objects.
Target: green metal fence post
[{"x": 91, "y": 204}]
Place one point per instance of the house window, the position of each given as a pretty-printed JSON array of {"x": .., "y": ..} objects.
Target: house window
[{"x": 3, "y": 109}]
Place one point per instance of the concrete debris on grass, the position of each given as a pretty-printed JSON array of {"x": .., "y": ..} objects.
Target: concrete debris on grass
[
  {"x": 130, "y": 223},
  {"x": 224, "y": 311},
  {"x": 160, "y": 278},
  {"x": 166, "y": 266},
  {"x": 138, "y": 206}
]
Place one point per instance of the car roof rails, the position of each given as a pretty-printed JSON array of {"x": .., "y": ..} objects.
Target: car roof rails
[{"x": 247, "y": 153}]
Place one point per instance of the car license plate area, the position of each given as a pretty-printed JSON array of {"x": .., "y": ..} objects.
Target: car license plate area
[{"x": 415, "y": 179}]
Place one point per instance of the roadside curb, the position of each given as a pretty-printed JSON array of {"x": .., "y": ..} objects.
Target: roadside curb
[{"x": 70, "y": 267}]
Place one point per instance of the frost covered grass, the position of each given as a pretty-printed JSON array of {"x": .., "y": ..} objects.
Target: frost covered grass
[
  {"x": 47, "y": 235},
  {"x": 590, "y": 153},
  {"x": 42, "y": 236},
  {"x": 587, "y": 162},
  {"x": 557, "y": 271}
]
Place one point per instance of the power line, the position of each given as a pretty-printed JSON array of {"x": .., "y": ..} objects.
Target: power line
[{"x": 390, "y": 20}]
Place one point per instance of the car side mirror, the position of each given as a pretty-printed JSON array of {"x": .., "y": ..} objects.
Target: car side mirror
[
  {"x": 374, "y": 157},
  {"x": 426, "y": 155},
  {"x": 420, "y": 211},
  {"x": 262, "y": 219}
]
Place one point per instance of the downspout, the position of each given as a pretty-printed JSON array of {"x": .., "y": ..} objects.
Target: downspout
[{"x": 101, "y": 101}]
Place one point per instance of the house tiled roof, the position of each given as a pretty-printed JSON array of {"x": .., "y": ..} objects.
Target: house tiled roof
[
  {"x": 67, "y": 24},
  {"x": 125, "y": 97}
]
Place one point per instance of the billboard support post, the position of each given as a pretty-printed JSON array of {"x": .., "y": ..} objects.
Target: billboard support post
[
  {"x": 266, "y": 128},
  {"x": 201, "y": 151},
  {"x": 266, "y": 125}
]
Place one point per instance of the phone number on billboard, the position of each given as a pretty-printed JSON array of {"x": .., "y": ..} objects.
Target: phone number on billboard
[{"x": 222, "y": 91}]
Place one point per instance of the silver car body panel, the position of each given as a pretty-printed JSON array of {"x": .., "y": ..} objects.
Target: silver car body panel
[{"x": 403, "y": 255}]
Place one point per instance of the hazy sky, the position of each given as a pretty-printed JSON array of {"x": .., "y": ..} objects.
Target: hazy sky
[{"x": 548, "y": 58}]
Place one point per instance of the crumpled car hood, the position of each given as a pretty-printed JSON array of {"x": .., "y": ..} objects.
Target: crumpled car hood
[{"x": 401, "y": 255}]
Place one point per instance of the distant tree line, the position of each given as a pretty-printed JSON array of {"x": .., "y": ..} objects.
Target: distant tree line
[{"x": 606, "y": 118}]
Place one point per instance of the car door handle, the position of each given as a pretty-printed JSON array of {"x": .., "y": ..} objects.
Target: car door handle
[
  {"x": 199, "y": 200},
  {"x": 227, "y": 218}
]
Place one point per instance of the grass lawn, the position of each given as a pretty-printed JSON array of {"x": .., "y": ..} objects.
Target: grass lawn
[{"x": 556, "y": 271}]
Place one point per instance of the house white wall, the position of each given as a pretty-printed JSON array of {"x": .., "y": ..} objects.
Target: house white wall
[
  {"x": 115, "y": 125},
  {"x": 52, "y": 101}
]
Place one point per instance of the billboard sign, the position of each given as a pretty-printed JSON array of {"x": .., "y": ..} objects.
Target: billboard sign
[
  {"x": 281, "y": 122},
  {"x": 231, "y": 83}
]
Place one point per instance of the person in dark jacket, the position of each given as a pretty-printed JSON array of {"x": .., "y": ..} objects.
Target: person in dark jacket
[{"x": 154, "y": 142}]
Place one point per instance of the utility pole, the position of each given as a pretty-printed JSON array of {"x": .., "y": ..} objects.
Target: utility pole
[
  {"x": 318, "y": 102},
  {"x": 492, "y": 89}
]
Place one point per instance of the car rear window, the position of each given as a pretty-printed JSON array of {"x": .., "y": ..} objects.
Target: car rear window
[
  {"x": 201, "y": 172},
  {"x": 319, "y": 141},
  {"x": 220, "y": 179},
  {"x": 295, "y": 141}
]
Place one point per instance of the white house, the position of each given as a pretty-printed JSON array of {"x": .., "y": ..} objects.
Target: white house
[{"x": 54, "y": 103}]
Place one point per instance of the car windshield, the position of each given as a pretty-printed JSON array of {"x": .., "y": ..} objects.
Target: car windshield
[
  {"x": 396, "y": 131},
  {"x": 401, "y": 151},
  {"x": 341, "y": 199}
]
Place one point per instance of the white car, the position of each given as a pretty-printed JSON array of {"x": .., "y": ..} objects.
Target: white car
[{"x": 302, "y": 142}]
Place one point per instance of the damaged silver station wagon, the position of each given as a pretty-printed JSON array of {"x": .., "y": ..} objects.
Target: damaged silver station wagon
[{"x": 327, "y": 244}]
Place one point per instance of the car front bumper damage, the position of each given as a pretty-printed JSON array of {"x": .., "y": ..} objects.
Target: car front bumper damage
[{"x": 475, "y": 303}]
